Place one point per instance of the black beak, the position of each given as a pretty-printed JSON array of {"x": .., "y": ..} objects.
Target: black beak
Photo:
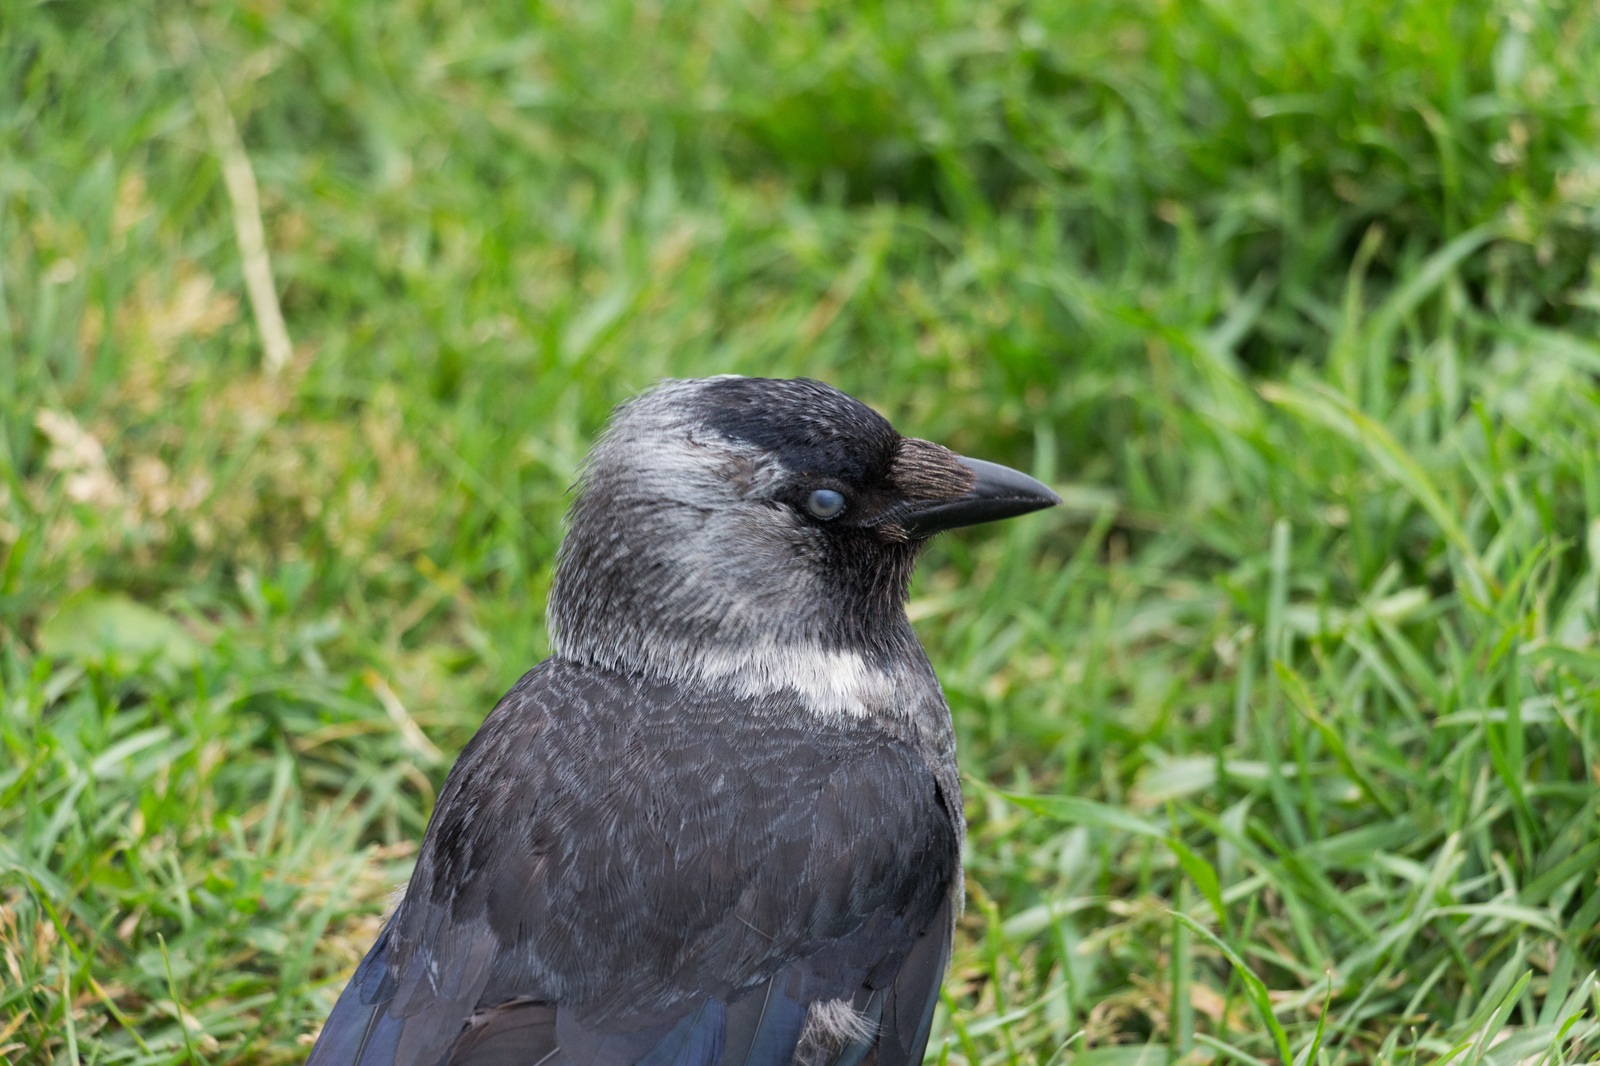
[{"x": 996, "y": 492}]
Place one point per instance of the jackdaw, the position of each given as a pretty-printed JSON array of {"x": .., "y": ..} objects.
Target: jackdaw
[{"x": 721, "y": 825}]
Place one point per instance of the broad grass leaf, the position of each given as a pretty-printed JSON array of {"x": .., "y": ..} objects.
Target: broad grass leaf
[
  {"x": 92, "y": 626},
  {"x": 1077, "y": 811}
]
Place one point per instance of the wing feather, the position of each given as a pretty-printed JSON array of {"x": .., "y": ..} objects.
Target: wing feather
[
  {"x": 519, "y": 1033},
  {"x": 914, "y": 995},
  {"x": 359, "y": 1030},
  {"x": 764, "y": 1026}
]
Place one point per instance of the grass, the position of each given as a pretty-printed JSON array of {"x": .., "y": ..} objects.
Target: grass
[{"x": 1283, "y": 736}]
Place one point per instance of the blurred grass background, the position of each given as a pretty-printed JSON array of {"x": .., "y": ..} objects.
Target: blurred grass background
[{"x": 1295, "y": 302}]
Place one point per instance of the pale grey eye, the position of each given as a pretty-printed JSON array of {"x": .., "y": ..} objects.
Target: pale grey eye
[{"x": 825, "y": 503}]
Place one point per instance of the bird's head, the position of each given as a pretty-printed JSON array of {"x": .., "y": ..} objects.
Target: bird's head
[{"x": 760, "y": 533}]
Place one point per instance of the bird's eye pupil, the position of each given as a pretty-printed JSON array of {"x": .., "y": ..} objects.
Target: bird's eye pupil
[{"x": 825, "y": 503}]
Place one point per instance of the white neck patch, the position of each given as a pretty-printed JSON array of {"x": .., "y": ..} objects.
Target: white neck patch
[{"x": 829, "y": 682}]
